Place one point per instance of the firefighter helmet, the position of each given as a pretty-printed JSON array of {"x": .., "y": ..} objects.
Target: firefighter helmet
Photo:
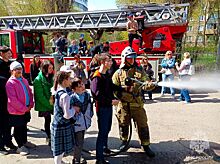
[{"x": 128, "y": 52}]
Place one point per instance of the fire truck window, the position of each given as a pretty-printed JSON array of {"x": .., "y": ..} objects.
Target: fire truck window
[
  {"x": 4, "y": 40},
  {"x": 32, "y": 42}
]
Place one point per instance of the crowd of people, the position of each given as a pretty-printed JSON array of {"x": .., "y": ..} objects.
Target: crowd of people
[
  {"x": 62, "y": 45},
  {"x": 62, "y": 94},
  {"x": 71, "y": 106}
]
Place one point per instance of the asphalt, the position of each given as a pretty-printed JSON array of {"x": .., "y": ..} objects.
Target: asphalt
[{"x": 180, "y": 133}]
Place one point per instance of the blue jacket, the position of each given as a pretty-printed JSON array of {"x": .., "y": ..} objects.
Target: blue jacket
[
  {"x": 84, "y": 118},
  {"x": 168, "y": 63}
]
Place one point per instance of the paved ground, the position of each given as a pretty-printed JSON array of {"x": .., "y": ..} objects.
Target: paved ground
[{"x": 175, "y": 128}]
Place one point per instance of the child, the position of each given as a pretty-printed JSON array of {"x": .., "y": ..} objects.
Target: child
[
  {"x": 82, "y": 99},
  {"x": 102, "y": 89},
  {"x": 62, "y": 132}
]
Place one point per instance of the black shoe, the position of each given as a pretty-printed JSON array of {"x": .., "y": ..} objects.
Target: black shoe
[
  {"x": 11, "y": 146},
  {"x": 106, "y": 151},
  {"x": 3, "y": 151},
  {"x": 102, "y": 162},
  {"x": 149, "y": 152},
  {"x": 123, "y": 146}
]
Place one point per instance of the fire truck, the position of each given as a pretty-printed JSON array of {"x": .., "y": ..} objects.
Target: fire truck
[{"x": 162, "y": 27}]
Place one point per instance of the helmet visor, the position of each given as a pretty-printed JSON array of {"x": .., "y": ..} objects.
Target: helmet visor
[{"x": 132, "y": 55}]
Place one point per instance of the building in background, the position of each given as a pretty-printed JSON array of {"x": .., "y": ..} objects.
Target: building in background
[
  {"x": 202, "y": 28},
  {"x": 81, "y": 5}
]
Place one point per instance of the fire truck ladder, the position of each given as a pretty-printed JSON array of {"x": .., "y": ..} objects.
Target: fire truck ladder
[{"x": 96, "y": 21}]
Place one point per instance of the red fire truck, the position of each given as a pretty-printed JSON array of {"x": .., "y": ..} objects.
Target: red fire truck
[{"x": 162, "y": 27}]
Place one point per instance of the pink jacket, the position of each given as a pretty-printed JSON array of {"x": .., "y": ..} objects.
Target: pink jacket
[{"x": 16, "y": 96}]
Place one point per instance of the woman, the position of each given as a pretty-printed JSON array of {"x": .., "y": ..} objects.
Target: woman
[
  {"x": 35, "y": 67},
  {"x": 42, "y": 93},
  {"x": 184, "y": 76},
  {"x": 168, "y": 71},
  {"x": 78, "y": 68},
  {"x": 148, "y": 69},
  {"x": 20, "y": 102}
]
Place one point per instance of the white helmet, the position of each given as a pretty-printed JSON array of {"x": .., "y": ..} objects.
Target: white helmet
[{"x": 128, "y": 52}]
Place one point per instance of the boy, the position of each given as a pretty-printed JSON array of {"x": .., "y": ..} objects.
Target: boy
[{"x": 82, "y": 99}]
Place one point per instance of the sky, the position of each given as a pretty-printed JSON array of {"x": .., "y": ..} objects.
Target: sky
[{"x": 101, "y": 4}]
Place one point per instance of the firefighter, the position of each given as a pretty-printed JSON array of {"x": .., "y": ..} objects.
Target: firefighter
[{"x": 131, "y": 104}]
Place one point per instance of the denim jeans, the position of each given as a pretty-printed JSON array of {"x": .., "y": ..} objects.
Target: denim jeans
[
  {"x": 164, "y": 79},
  {"x": 104, "y": 116},
  {"x": 184, "y": 93}
]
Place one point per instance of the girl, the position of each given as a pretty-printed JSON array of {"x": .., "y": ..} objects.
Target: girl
[
  {"x": 35, "y": 67},
  {"x": 42, "y": 86},
  {"x": 62, "y": 132}
]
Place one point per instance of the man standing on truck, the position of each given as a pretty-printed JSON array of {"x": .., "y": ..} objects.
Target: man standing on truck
[{"x": 132, "y": 28}]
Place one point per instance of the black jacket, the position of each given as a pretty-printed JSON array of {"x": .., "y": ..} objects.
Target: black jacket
[{"x": 5, "y": 69}]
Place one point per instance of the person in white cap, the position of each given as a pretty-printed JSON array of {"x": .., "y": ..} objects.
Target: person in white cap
[{"x": 20, "y": 102}]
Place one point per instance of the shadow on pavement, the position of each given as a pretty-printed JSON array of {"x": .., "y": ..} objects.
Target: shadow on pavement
[
  {"x": 167, "y": 152},
  {"x": 41, "y": 151}
]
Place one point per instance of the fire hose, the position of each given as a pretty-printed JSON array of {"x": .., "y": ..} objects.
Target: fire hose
[{"x": 125, "y": 147}]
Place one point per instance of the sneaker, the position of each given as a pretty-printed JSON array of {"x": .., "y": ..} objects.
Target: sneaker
[
  {"x": 22, "y": 151},
  {"x": 148, "y": 151},
  {"x": 29, "y": 145},
  {"x": 162, "y": 95},
  {"x": 187, "y": 102},
  {"x": 123, "y": 146},
  {"x": 83, "y": 160},
  {"x": 11, "y": 146},
  {"x": 101, "y": 162},
  {"x": 48, "y": 141},
  {"x": 3, "y": 151},
  {"x": 179, "y": 99},
  {"x": 106, "y": 151}
]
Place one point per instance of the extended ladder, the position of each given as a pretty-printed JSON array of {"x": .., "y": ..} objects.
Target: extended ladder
[{"x": 154, "y": 14}]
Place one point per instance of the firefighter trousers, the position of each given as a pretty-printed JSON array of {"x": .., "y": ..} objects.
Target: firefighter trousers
[{"x": 127, "y": 111}]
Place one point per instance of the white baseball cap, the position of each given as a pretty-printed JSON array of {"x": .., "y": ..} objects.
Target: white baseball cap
[
  {"x": 14, "y": 65},
  {"x": 67, "y": 69}
]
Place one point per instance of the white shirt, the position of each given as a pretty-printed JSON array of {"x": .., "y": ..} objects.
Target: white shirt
[
  {"x": 184, "y": 67},
  {"x": 65, "y": 104}
]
